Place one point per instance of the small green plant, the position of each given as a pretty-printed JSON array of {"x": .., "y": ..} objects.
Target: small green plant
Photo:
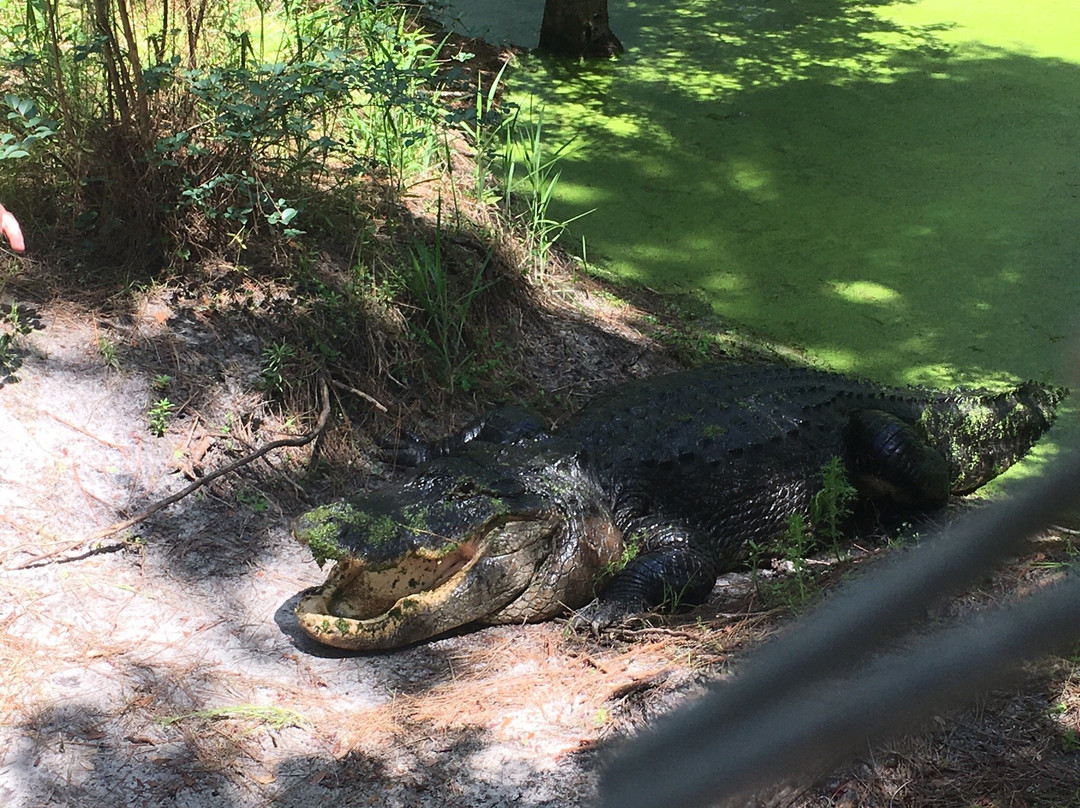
[
  {"x": 632, "y": 543},
  {"x": 443, "y": 305},
  {"x": 161, "y": 381},
  {"x": 1071, "y": 558},
  {"x": 673, "y": 598},
  {"x": 529, "y": 170},
  {"x": 12, "y": 326},
  {"x": 253, "y": 499},
  {"x": 134, "y": 541},
  {"x": 631, "y": 547},
  {"x": 9, "y": 357},
  {"x": 831, "y": 506},
  {"x": 795, "y": 588},
  {"x": 271, "y": 717},
  {"x": 794, "y": 547},
  {"x": 485, "y": 125},
  {"x": 469, "y": 374},
  {"x": 758, "y": 555},
  {"x": 16, "y": 321},
  {"x": 107, "y": 349},
  {"x": 1070, "y": 741},
  {"x": 276, "y": 359},
  {"x": 160, "y": 415}
]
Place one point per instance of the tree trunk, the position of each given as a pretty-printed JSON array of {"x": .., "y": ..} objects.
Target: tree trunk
[{"x": 578, "y": 28}]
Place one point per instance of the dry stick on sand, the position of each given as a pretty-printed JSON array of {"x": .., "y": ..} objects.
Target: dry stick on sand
[{"x": 116, "y": 527}]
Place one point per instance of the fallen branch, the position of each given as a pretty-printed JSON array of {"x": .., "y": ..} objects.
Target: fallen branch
[
  {"x": 370, "y": 399},
  {"x": 116, "y": 527}
]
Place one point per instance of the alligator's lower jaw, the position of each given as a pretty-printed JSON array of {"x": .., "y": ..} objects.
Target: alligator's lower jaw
[
  {"x": 410, "y": 619},
  {"x": 360, "y": 609},
  {"x": 374, "y": 633},
  {"x": 421, "y": 597}
]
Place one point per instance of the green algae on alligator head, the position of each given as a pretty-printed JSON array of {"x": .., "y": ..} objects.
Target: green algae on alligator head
[{"x": 320, "y": 529}]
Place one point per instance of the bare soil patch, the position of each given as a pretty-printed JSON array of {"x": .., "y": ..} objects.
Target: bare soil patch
[{"x": 162, "y": 666}]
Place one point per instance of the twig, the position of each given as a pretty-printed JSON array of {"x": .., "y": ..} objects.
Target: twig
[
  {"x": 627, "y": 633},
  {"x": 116, "y": 527},
  {"x": 82, "y": 431},
  {"x": 378, "y": 405}
]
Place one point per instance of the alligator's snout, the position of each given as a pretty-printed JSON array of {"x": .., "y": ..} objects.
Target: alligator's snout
[{"x": 364, "y": 606}]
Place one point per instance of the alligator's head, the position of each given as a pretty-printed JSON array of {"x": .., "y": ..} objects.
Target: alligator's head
[
  {"x": 495, "y": 535},
  {"x": 981, "y": 435}
]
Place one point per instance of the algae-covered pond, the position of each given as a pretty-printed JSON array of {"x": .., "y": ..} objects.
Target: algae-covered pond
[{"x": 893, "y": 187}]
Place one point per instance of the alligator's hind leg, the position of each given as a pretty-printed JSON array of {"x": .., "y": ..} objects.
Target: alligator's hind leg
[
  {"x": 888, "y": 456},
  {"x": 670, "y": 571}
]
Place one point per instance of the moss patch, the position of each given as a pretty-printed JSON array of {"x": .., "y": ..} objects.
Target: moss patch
[{"x": 322, "y": 527}]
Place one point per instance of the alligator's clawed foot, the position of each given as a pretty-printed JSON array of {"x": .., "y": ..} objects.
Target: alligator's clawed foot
[{"x": 598, "y": 616}]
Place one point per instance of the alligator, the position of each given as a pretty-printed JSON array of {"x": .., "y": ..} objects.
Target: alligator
[{"x": 642, "y": 499}]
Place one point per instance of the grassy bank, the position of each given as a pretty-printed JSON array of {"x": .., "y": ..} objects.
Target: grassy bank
[{"x": 328, "y": 177}]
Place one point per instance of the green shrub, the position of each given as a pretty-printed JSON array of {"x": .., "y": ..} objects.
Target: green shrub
[{"x": 191, "y": 125}]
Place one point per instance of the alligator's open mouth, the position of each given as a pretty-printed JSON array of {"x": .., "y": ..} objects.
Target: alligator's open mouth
[
  {"x": 425, "y": 592},
  {"x": 358, "y": 591}
]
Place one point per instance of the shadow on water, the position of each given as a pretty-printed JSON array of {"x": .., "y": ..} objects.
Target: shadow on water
[{"x": 900, "y": 206}]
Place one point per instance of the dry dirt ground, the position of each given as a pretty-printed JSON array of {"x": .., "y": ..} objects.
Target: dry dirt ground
[{"x": 162, "y": 666}]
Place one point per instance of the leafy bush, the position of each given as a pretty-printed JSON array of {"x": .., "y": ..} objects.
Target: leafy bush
[{"x": 191, "y": 125}]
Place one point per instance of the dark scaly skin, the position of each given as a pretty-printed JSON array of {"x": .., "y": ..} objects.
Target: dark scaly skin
[{"x": 505, "y": 523}]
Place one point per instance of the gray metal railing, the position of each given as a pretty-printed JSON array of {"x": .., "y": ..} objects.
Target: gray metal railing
[{"x": 824, "y": 689}]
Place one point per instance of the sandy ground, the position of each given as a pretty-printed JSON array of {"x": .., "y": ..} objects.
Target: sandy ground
[
  {"x": 165, "y": 668},
  {"x": 162, "y": 665}
]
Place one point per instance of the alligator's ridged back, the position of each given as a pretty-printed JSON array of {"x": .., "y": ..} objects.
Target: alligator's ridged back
[
  {"x": 737, "y": 448},
  {"x": 717, "y": 410},
  {"x": 734, "y": 407}
]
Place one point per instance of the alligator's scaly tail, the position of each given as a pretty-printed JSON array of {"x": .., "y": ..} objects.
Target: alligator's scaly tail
[{"x": 982, "y": 434}]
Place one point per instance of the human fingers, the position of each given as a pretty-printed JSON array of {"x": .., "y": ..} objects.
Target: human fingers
[{"x": 9, "y": 226}]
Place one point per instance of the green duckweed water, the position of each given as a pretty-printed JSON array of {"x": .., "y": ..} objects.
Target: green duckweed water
[{"x": 892, "y": 187}]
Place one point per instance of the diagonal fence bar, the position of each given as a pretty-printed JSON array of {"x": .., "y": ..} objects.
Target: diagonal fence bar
[{"x": 809, "y": 698}]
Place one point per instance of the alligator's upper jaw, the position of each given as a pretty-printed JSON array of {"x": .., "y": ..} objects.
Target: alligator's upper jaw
[{"x": 362, "y": 607}]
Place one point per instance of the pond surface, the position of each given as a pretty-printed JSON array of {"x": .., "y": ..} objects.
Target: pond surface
[{"x": 893, "y": 187}]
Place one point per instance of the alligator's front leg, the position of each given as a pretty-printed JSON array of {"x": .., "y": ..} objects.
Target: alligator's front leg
[
  {"x": 670, "y": 570},
  {"x": 889, "y": 457}
]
